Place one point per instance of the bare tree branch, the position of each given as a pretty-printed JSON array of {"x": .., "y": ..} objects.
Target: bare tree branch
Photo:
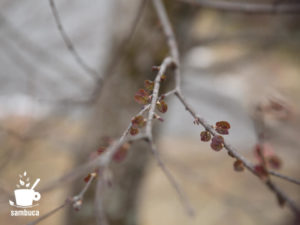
[
  {"x": 284, "y": 177},
  {"x": 99, "y": 210},
  {"x": 246, "y": 7},
  {"x": 180, "y": 193},
  {"x": 75, "y": 201},
  {"x": 50, "y": 213},
  {"x": 112, "y": 64},
  {"x": 69, "y": 44},
  {"x": 166, "y": 63}
]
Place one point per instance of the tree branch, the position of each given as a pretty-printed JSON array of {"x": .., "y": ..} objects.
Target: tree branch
[
  {"x": 245, "y": 7},
  {"x": 69, "y": 44},
  {"x": 180, "y": 193},
  {"x": 75, "y": 201}
]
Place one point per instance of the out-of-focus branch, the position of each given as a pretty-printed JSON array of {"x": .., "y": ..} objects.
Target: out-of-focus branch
[
  {"x": 114, "y": 62},
  {"x": 99, "y": 210},
  {"x": 50, "y": 213},
  {"x": 69, "y": 44},
  {"x": 284, "y": 177},
  {"x": 247, "y": 7},
  {"x": 180, "y": 193},
  {"x": 75, "y": 201}
]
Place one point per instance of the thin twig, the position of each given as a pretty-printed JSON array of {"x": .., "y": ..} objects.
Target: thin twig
[
  {"x": 76, "y": 201},
  {"x": 236, "y": 155},
  {"x": 69, "y": 44},
  {"x": 166, "y": 63},
  {"x": 50, "y": 213},
  {"x": 99, "y": 210},
  {"x": 284, "y": 177},
  {"x": 182, "y": 196},
  {"x": 248, "y": 7},
  {"x": 169, "y": 33},
  {"x": 112, "y": 64}
]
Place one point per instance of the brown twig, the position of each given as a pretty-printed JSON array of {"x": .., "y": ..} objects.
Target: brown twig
[
  {"x": 99, "y": 210},
  {"x": 247, "y": 7},
  {"x": 111, "y": 65},
  {"x": 76, "y": 201},
  {"x": 69, "y": 44},
  {"x": 166, "y": 63},
  {"x": 181, "y": 194},
  {"x": 284, "y": 177},
  {"x": 50, "y": 213}
]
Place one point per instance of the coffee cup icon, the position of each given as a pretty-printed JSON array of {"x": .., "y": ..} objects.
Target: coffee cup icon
[{"x": 25, "y": 197}]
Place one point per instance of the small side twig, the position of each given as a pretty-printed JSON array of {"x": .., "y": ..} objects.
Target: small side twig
[
  {"x": 177, "y": 188},
  {"x": 76, "y": 201},
  {"x": 247, "y": 7},
  {"x": 50, "y": 213},
  {"x": 69, "y": 44},
  {"x": 284, "y": 177},
  {"x": 99, "y": 210}
]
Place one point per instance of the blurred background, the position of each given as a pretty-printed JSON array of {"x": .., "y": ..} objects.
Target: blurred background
[{"x": 55, "y": 113}]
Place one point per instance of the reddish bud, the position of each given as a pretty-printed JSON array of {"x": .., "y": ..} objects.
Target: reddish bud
[
  {"x": 162, "y": 106},
  {"x": 87, "y": 178},
  {"x": 156, "y": 116},
  {"x": 149, "y": 85},
  {"x": 261, "y": 171},
  {"x": 121, "y": 153},
  {"x": 163, "y": 78},
  {"x": 205, "y": 136},
  {"x": 142, "y": 97},
  {"x": 274, "y": 162},
  {"x": 100, "y": 150},
  {"x": 138, "y": 121},
  {"x": 217, "y": 143},
  {"x": 238, "y": 165},
  {"x": 222, "y": 127},
  {"x": 155, "y": 68},
  {"x": 134, "y": 131}
]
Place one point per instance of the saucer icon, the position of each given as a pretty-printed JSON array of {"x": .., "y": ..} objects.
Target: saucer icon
[{"x": 24, "y": 195}]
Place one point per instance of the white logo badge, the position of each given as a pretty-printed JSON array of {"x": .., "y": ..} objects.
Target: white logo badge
[{"x": 25, "y": 196}]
